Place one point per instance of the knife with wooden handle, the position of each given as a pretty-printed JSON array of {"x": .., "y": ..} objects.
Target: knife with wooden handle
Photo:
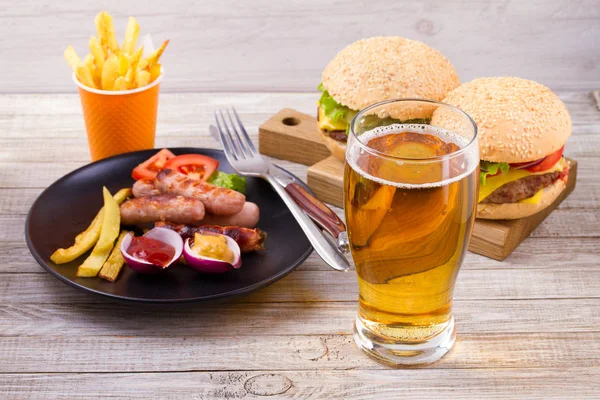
[{"x": 313, "y": 207}]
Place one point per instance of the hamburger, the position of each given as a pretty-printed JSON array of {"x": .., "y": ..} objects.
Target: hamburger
[
  {"x": 373, "y": 70},
  {"x": 523, "y": 128}
]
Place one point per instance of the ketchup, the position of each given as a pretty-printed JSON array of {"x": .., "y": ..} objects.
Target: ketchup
[{"x": 151, "y": 250}]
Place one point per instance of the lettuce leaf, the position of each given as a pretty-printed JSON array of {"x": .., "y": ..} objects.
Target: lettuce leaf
[
  {"x": 228, "y": 181},
  {"x": 487, "y": 168},
  {"x": 333, "y": 110}
]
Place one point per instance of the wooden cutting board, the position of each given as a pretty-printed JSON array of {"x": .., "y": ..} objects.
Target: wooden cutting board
[{"x": 294, "y": 136}]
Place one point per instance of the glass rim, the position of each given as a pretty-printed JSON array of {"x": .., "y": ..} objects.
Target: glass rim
[
  {"x": 119, "y": 92},
  {"x": 378, "y": 153}
]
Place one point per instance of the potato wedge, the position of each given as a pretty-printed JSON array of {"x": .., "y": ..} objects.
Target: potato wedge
[
  {"x": 72, "y": 58},
  {"x": 111, "y": 268},
  {"x": 97, "y": 52},
  {"x": 88, "y": 238},
  {"x": 131, "y": 36},
  {"x": 110, "y": 72},
  {"x": 111, "y": 222}
]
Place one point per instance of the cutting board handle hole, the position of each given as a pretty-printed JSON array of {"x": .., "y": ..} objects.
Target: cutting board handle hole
[{"x": 290, "y": 121}]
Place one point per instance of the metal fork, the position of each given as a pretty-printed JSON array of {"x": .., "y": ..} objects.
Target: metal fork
[{"x": 246, "y": 160}]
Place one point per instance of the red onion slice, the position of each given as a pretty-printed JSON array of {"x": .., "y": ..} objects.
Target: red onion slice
[
  {"x": 209, "y": 265},
  {"x": 164, "y": 235},
  {"x": 527, "y": 164}
]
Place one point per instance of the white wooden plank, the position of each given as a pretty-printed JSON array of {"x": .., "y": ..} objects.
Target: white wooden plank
[
  {"x": 472, "y": 316},
  {"x": 187, "y": 115},
  {"x": 54, "y": 354},
  {"x": 533, "y": 253},
  {"x": 267, "y": 45},
  {"x": 319, "y": 286},
  {"x": 58, "y": 149},
  {"x": 503, "y": 384}
]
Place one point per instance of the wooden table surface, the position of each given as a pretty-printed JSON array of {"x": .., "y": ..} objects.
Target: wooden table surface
[{"x": 528, "y": 327}]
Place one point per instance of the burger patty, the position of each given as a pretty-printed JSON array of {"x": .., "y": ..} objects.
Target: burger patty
[
  {"x": 520, "y": 189},
  {"x": 340, "y": 136}
]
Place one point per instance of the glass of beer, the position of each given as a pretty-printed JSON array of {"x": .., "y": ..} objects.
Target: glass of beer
[{"x": 410, "y": 197}]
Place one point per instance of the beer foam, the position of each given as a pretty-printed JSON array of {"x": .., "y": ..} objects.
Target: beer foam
[{"x": 470, "y": 159}]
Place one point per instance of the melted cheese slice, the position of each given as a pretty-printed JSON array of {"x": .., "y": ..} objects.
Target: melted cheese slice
[
  {"x": 494, "y": 182},
  {"x": 536, "y": 198},
  {"x": 326, "y": 124}
]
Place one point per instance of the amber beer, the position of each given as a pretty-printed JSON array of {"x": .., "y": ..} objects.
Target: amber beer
[{"x": 410, "y": 212}]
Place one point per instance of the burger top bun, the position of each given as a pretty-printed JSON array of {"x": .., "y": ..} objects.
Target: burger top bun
[
  {"x": 518, "y": 120},
  {"x": 521, "y": 210},
  {"x": 388, "y": 67}
]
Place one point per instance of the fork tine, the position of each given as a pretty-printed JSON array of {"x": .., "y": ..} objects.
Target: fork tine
[
  {"x": 239, "y": 153},
  {"x": 225, "y": 139},
  {"x": 246, "y": 136},
  {"x": 244, "y": 147}
]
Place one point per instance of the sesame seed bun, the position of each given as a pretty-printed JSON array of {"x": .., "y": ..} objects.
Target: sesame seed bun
[
  {"x": 384, "y": 68},
  {"x": 518, "y": 120},
  {"x": 521, "y": 210},
  {"x": 388, "y": 67}
]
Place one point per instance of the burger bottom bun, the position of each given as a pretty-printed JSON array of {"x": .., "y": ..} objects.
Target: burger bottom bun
[
  {"x": 520, "y": 210},
  {"x": 337, "y": 148}
]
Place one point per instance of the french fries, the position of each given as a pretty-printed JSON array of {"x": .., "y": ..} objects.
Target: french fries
[
  {"x": 120, "y": 84},
  {"x": 155, "y": 71},
  {"x": 88, "y": 238},
  {"x": 97, "y": 52},
  {"x": 142, "y": 77},
  {"x": 72, "y": 58},
  {"x": 155, "y": 56},
  {"x": 136, "y": 57},
  {"x": 106, "y": 32},
  {"x": 131, "y": 35},
  {"x": 110, "y": 72},
  {"x": 107, "y": 62},
  {"x": 123, "y": 64},
  {"x": 111, "y": 268},
  {"x": 111, "y": 222},
  {"x": 85, "y": 75}
]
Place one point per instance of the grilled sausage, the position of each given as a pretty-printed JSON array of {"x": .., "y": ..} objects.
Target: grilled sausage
[
  {"x": 144, "y": 187},
  {"x": 247, "y": 217},
  {"x": 162, "y": 207},
  {"x": 217, "y": 200},
  {"x": 248, "y": 239}
]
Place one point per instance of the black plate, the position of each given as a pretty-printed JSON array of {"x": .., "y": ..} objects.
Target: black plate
[{"x": 68, "y": 206}]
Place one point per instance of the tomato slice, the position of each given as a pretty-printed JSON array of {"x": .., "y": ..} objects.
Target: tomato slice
[
  {"x": 152, "y": 166},
  {"x": 195, "y": 166},
  {"x": 548, "y": 162}
]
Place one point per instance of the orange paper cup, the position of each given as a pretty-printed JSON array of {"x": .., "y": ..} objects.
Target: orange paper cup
[{"x": 119, "y": 121}]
